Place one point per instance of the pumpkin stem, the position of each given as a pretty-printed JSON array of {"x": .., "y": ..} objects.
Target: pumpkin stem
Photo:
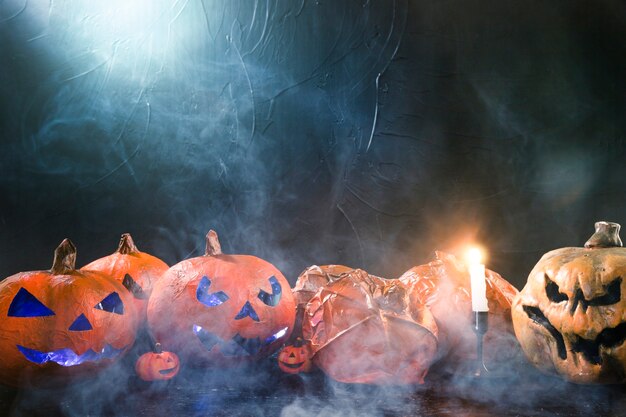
[
  {"x": 299, "y": 342},
  {"x": 127, "y": 246},
  {"x": 64, "y": 258},
  {"x": 297, "y": 326},
  {"x": 606, "y": 236},
  {"x": 213, "y": 246},
  {"x": 158, "y": 348}
]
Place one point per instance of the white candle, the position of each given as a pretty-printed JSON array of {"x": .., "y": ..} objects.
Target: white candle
[{"x": 477, "y": 280}]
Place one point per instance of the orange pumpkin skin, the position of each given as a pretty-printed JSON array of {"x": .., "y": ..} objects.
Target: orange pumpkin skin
[
  {"x": 210, "y": 309},
  {"x": 570, "y": 316},
  {"x": 71, "y": 299},
  {"x": 157, "y": 365},
  {"x": 142, "y": 268},
  {"x": 295, "y": 358}
]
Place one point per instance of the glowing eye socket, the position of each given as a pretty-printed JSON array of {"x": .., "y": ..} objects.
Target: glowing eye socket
[
  {"x": 273, "y": 298},
  {"x": 27, "y": 305},
  {"x": 212, "y": 299},
  {"x": 111, "y": 303}
]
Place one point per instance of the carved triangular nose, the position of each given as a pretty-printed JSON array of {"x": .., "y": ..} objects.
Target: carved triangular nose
[
  {"x": 247, "y": 311},
  {"x": 80, "y": 324}
]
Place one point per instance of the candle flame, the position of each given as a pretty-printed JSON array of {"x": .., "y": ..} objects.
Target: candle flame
[{"x": 474, "y": 255}]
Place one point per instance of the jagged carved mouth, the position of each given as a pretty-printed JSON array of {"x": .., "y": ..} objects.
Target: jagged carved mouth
[
  {"x": 608, "y": 338},
  {"x": 238, "y": 345},
  {"x": 67, "y": 357}
]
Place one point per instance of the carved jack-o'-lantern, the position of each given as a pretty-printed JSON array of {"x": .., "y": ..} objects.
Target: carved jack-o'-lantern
[
  {"x": 221, "y": 309},
  {"x": 62, "y": 322},
  {"x": 570, "y": 318},
  {"x": 136, "y": 270},
  {"x": 157, "y": 365},
  {"x": 295, "y": 358}
]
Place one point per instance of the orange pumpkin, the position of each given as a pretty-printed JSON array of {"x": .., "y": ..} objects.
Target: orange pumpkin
[
  {"x": 221, "y": 309},
  {"x": 62, "y": 323},
  {"x": 136, "y": 270},
  {"x": 570, "y": 317},
  {"x": 295, "y": 358},
  {"x": 157, "y": 365}
]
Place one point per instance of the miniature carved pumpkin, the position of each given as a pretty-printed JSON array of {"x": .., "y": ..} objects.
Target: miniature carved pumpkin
[
  {"x": 443, "y": 285},
  {"x": 363, "y": 329},
  {"x": 570, "y": 317},
  {"x": 295, "y": 358},
  {"x": 157, "y": 365},
  {"x": 136, "y": 270},
  {"x": 221, "y": 309},
  {"x": 62, "y": 322}
]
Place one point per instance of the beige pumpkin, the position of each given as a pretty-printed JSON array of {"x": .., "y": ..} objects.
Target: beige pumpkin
[{"x": 570, "y": 317}]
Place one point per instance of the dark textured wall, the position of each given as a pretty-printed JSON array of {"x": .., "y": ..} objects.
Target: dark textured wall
[{"x": 367, "y": 133}]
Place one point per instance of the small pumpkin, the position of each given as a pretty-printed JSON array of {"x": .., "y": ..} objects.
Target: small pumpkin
[
  {"x": 295, "y": 358},
  {"x": 136, "y": 270},
  {"x": 62, "y": 323},
  {"x": 221, "y": 309},
  {"x": 570, "y": 317},
  {"x": 157, "y": 365}
]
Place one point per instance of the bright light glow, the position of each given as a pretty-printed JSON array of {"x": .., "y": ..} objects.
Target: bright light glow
[
  {"x": 474, "y": 258},
  {"x": 474, "y": 255},
  {"x": 277, "y": 335},
  {"x": 123, "y": 39}
]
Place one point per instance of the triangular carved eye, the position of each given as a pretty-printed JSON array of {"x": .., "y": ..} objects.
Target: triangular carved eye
[
  {"x": 134, "y": 288},
  {"x": 111, "y": 303},
  {"x": 25, "y": 304}
]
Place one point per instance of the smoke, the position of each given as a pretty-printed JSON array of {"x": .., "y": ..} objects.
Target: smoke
[
  {"x": 361, "y": 133},
  {"x": 166, "y": 119}
]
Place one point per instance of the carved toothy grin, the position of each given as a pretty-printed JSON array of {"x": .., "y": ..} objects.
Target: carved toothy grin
[
  {"x": 67, "y": 357},
  {"x": 238, "y": 345},
  {"x": 590, "y": 349},
  {"x": 536, "y": 315}
]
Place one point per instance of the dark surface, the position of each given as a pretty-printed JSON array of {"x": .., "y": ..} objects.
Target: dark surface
[
  {"x": 366, "y": 133},
  {"x": 264, "y": 391}
]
